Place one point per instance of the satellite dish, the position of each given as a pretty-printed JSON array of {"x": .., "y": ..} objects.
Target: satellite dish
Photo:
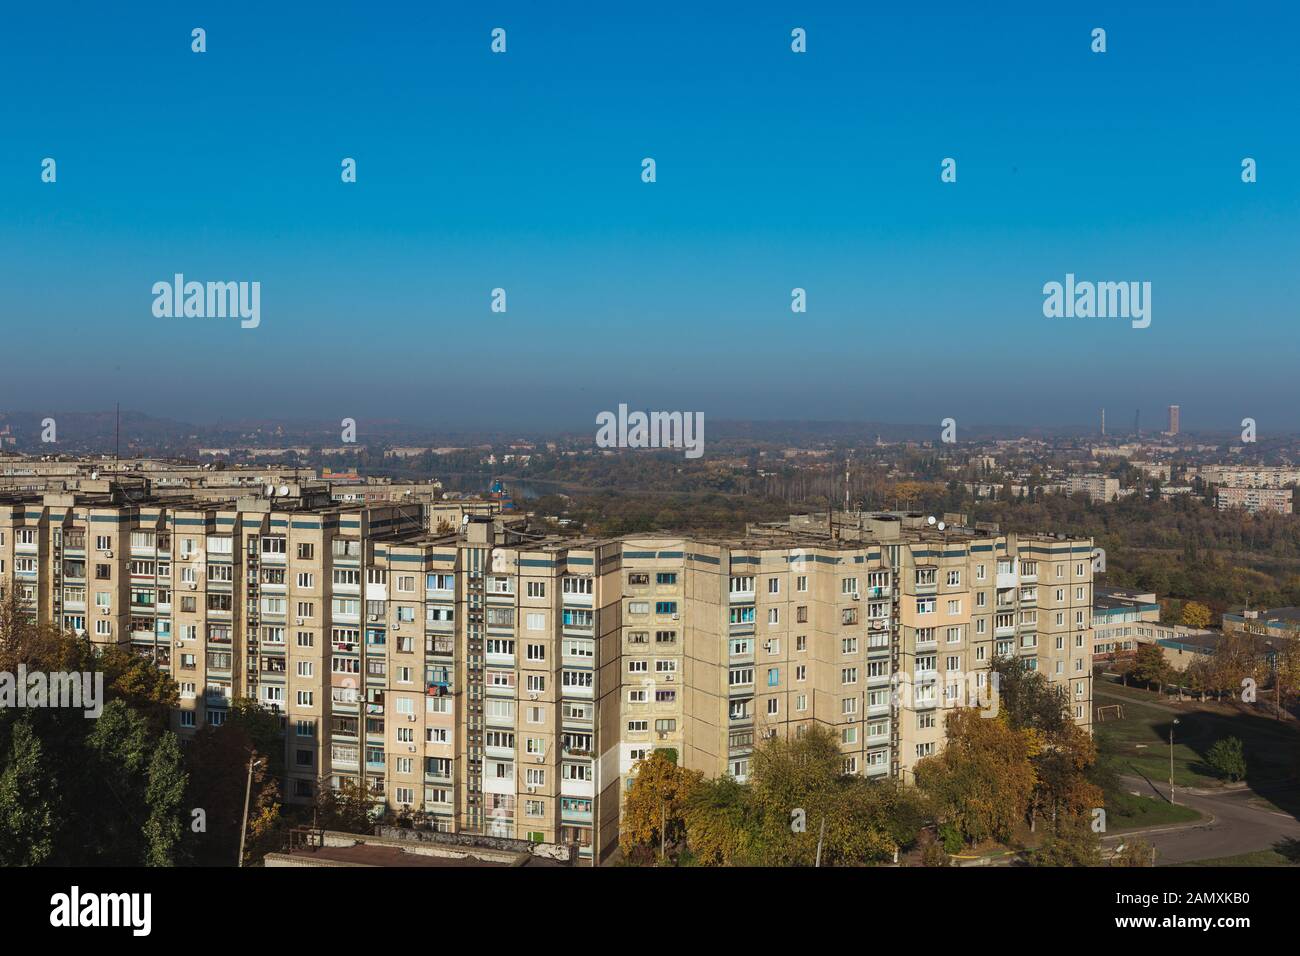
[
  {"x": 464, "y": 519},
  {"x": 270, "y": 491},
  {"x": 930, "y": 519},
  {"x": 94, "y": 475},
  {"x": 942, "y": 526},
  {"x": 284, "y": 491}
]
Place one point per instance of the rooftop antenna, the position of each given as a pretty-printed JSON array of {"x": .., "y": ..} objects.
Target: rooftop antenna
[{"x": 847, "y": 462}]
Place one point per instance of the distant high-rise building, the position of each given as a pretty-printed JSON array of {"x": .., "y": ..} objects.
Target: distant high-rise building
[
  {"x": 1173, "y": 419},
  {"x": 1103, "y": 423}
]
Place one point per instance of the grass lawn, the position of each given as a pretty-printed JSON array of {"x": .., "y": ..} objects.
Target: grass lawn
[
  {"x": 1139, "y": 744},
  {"x": 1124, "y": 810}
]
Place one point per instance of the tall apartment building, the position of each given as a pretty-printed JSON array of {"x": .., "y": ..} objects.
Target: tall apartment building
[
  {"x": 1097, "y": 488},
  {"x": 1275, "y": 500},
  {"x": 505, "y": 681},
  {"x": 1241, "y": 476},
  {"x": 1173, "y": 420}
]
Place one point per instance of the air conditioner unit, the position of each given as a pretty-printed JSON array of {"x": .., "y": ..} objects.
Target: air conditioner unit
[
  {"x": 108, "y": 554},
  {"x": 193, "y": 586},
  {"x": 675, "y": 617},
  {"x": 857, "y": 596},
  {"x": 539, "y": 758},
  {"x": 670, "y": 677},
  {"x": 411, "y": 748},
  {"x": 411, "y": 717},
  {"x": 300, "y": 621},
  {"x": 532, "y": 789},
  {"x": 105, "y": 610}
]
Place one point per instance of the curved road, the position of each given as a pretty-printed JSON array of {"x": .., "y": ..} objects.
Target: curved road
[{"x": 1231, "y": 825}]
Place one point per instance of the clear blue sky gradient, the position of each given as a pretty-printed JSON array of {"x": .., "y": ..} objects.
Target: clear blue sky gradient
[{"x": 775, "y": 170}]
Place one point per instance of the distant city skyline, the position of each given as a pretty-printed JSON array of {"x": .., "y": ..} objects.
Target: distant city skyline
[
  {"x": 389, "y": 428},
  {"x": 775, "y": 171}
]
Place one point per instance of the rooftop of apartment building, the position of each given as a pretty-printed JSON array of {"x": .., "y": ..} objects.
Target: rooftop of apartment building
[
  {"x": 328, "y": 848},
  {"x": 1279, "y": 617},
  {"x": 1105, "y": 597},
  {"x": 839, "y": 530}
]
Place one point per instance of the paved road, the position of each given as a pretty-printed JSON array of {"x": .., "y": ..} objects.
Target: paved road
[{"x": 1231, "y": 825}]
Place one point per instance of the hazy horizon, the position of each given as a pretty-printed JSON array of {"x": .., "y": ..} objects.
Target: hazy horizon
[{"x": 775, "y": 170}]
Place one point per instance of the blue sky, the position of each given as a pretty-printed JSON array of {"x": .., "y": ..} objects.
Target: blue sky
[{"x": 775, "y": 170}]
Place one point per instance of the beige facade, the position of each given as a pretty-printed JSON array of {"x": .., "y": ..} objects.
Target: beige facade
[{"x": 504, "y": 681}]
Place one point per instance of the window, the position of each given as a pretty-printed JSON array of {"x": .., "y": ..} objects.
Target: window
[
  {"x": 801, "y": 583},
  {"x": 666, "y": 577},
  {"x": 638, "y": 579},
  {"x": 773, "y": 585},
  {"x": 742, "y": 585},
  {"x": 954, "y": 579},
  {"x": 537, "y": 589},
  {"x": 577, "y": 585}
]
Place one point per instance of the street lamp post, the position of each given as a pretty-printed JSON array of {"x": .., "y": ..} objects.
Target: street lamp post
[
  {"x": 1171, "y": 761},
  {"x": 248, "y": 789}
]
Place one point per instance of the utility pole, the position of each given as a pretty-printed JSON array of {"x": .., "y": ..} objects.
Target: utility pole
[
  {"x": 248, "y": 789},
  {"x": 820, "y": 833}
]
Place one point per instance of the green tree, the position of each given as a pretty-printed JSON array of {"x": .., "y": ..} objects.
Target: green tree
[
  {"x": 1196, "y": 614},
  {"x": 1150, "y": 666},
  {"x": 654, "y": 809},
  {"x": 1228, "y": 758},
  {"x": 29, "y": 800},
  {"x": 983, "y": 780},
  {"x": 165, "y": 798},
  {"x": 1071, "y": 842},
  {"x": 719, "y": 822},
  {"x": 346, "y": 808}
]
